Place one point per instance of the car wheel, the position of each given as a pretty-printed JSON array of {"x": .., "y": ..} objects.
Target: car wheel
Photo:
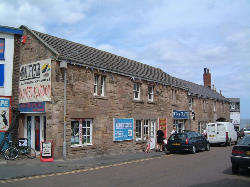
[
  {"x": 207, "y": 147},
  {"x": 235, "y": 168},
  {"x": 194, "y": 149},
  {"x": 229, "y": 143}
]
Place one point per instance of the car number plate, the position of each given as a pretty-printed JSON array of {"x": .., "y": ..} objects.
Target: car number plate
[
  {"x": 248, "y": 153},
  {"x": 211, "y": 136},
  {"x": 176, "y": 144}
]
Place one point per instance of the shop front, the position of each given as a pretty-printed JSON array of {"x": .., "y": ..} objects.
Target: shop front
[
  {"x": 34, "y": 127},
  {"x": 180, "y": 118}
]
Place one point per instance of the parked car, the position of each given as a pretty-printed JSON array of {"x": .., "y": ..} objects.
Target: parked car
[
  {"x": 187, "y": 141},
  {"x": 241, "y": 155},
  {"x": 246, "y": 131},
  {"x": 221, "y": 133}
]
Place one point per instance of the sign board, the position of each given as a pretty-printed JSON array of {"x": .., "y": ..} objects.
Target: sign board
[
  {"x": 123, "y": 129},
  {"x": 1, "y": 75},
  {"x": 32, "y": 107},
  {"x": 5, "y": 113},
  {"x": 179, "y": 114},
  {"x": 35, "y": 82},
  {"x": 163, "y": 126},
  {"x": 46, "y": 151},
  {"x": 2, "y": 48}
]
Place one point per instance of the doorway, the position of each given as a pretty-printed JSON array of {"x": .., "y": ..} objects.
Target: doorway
[
  {"x": 35, "y": 129},
  {"x": 152, "y": 135}
]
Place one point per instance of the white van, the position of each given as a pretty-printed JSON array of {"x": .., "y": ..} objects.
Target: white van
[{"x": 221, "y": 132}]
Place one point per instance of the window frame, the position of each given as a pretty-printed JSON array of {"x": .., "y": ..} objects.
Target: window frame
[
  {"x": 96, "y": 78},
  {"x": 190, "y": 103},
  {"x": 80, "y": 132},
  {"x": 136, "y": 90},
  {"x": 2, "y": 57},
  {"x": 138, "y": 122},
  {"x": 215, "y": 108},
  {"x": 103, "y": 79},
  {"x": 174, "y": 92},
  {"x": 146, "y": 129},
  {"x": 151, "y": 94}
]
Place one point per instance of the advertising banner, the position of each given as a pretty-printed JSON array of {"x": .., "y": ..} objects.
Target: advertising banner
[
  {"x": 5, "y": 113},
  {"x": 123, "y": 129},
  {"x": 163, "y": 126},
  {"x": 46, "y": 151},
  {"x": 35, "y": 82}
]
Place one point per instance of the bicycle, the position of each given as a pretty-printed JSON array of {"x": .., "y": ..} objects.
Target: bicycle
[
  {"x": 25, "y": 149},
  {"x": 11, "y": 153}
]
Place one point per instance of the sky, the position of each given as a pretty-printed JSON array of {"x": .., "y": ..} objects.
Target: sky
[{"x": 182, "y": 37}]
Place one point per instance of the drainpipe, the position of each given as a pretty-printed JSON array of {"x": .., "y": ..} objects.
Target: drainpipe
[{"x": 63, "y": 65}]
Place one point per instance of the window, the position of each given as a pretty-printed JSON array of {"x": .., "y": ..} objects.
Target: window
[
  {"x": 204, "y": 106},
  {"x": 190, "y": 103},
  {"x": 96, "y": 85},
  {"x": 232, "y": 106},
  {"x": 214, "y": 106},
  {"x": 81, "y": 132},
  {"x": 99, "y": 87},
  {"x": 74, "y": 132},
  {"x": 150, "y": 93},
  {"x": 2, "y": 48},
  {"x": 146, "y": 129},
  {"x": 174, "y": 96},
  {"x": 138, "y": 129},
  {"x": 136, "y": 91},
  {"x": 102, "y": 86}
]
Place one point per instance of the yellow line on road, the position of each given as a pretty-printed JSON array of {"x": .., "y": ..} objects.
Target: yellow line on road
[{"x": 80, "y": 170}]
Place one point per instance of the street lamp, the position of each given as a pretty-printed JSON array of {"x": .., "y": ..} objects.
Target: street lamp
[{"x": 63, "y": 65}]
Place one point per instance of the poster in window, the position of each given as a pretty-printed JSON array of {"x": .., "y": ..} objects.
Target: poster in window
[
  {"x": 123, "y": 129},
  {"x": 163, "y": 126},
  {"x": 5, "y": 113}
]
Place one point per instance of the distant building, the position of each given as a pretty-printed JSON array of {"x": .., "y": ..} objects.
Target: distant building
[{"x": 235, "y": 112}]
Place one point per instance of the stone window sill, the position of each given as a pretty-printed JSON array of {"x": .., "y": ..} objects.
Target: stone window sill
[
  {"x": 137, "y": 101},
  {"x": 100, "y": 97},
  {"x": 151, "y": 102}
]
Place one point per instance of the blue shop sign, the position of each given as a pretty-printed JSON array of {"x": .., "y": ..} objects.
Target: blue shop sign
[
  {"x": 123, "y": 129},
  {"x": 179, "y": 114},
  {"x": 33, "y": 107}
]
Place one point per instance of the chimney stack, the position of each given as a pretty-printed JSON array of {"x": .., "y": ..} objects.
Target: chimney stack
[{"x": 207, "y": 78}]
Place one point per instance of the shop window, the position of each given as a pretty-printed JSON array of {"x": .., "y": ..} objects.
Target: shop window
[
  {"x": 138, "y": 130},
  {"x": 136, "y": 91},
  {"x": 81, "y": 132},
  {"x": 146, "y": 129},
  {"x": 150, "y": 93},
  {"x": 2, "y": 48}
]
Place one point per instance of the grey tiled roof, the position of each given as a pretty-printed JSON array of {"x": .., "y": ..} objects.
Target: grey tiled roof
[
  {"x": 95, "y": 58},
  {"x": 234, "y": 100},
  {"x": 201, "y": 91}
]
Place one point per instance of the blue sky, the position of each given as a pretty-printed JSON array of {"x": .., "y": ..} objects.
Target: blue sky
[{"x": 179, "y": 36}]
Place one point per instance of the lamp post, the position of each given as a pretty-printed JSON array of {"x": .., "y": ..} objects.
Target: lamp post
[{"x": 63, "y": 65}]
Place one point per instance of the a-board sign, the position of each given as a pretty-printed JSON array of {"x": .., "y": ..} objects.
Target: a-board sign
[{"x": 46, "y": 152}]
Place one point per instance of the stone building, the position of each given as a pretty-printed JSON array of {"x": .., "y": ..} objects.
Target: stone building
[
  {"x": 111, "y": 103},
  {"x": 10, "y": 41}
]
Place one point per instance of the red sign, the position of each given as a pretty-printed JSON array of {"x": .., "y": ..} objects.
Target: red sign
[{"x": 163, "y": 126}]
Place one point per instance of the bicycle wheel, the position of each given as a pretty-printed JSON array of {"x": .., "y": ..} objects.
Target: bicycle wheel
[
  {"x": 31, "y": 153},
  {"x": 11, "y": 153}
]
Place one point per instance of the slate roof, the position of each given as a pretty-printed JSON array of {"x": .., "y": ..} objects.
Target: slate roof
[
  {"x": 234, "y": 100},
  {"x": 94, "y": 58}
]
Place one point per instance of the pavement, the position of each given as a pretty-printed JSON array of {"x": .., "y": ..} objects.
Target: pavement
[{"x": 19, "y": 168}]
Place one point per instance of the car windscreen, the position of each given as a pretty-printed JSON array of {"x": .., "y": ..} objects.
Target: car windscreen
[
  {"x": 178, "y": 137},
  {"x": 245, "y": 141}
]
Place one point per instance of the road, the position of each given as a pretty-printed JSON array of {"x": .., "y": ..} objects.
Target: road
[{"x": 212, "y": 168}]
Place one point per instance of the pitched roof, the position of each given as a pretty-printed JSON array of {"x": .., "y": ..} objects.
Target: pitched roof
[{"x": 94, "y": 58}]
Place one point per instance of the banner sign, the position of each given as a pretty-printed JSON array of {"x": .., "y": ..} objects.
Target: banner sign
[
  {"x": 46, "y": 151},
  {"x": 35, "y": 82},
  {"x": 1, "y": 75},
  {"x": 123, "y": 129},
  {"x": 32, "y": 107},
  {"x": 2, "y": 46},
  {"x": 163, "y": 126},
  {"x": 5, "y": 113},
  {"x": 179, "y": 114}
]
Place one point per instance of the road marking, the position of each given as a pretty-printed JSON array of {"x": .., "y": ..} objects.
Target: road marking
[{"x": 4, "y": 181}]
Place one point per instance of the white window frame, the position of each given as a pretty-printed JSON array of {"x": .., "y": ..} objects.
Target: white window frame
[
  {"x": 137, "y": 132},
  {"x": 204, "y": 105},
  {"x": 103, "y": 85},
  {"x": 174, "y": 96},
  {"x": 151, "y": 94},
  {"x": 136, "y": 89},
  {"x": 145, "y": 129},
  {"x": 80, "y": 133},
  {"x": 190, "y": 103},
  {"x": 96, "y": 84}
]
